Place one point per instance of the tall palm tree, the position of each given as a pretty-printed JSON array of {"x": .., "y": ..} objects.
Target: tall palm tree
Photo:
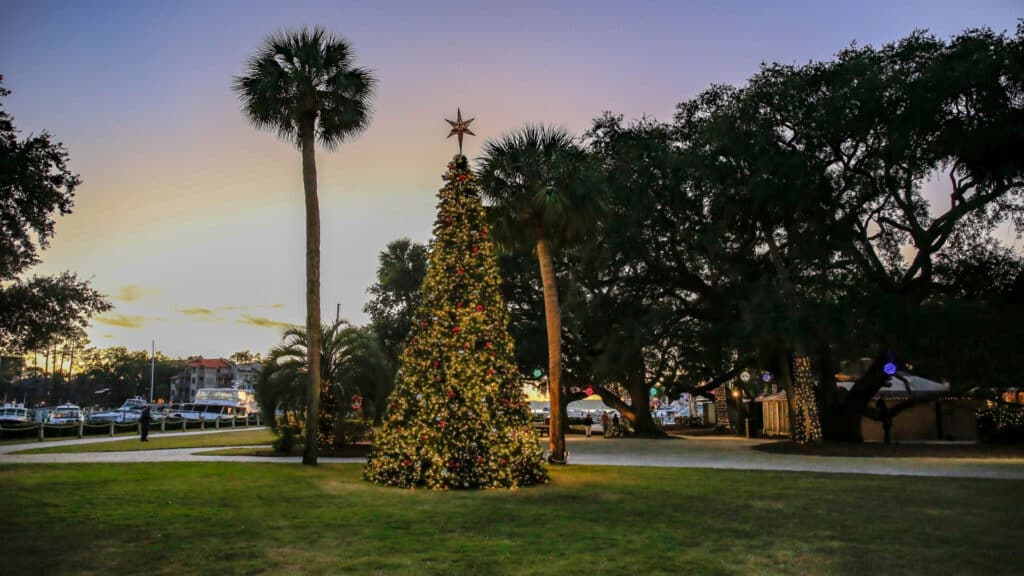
[
  {"x": 305, "y": 86},
  {"x": 535, "y": 180}
]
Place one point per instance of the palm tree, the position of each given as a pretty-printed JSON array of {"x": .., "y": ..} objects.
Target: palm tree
[
  {"x": 351, "y": 363},
  {"x": 535, "y": 181},
  {"x": 305, "y": 86}
]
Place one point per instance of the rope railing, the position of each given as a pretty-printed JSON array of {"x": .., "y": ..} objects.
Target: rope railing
[{"x": 24, "y": 430}]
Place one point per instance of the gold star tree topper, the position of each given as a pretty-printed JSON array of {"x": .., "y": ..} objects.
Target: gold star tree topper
[{"x": 460, "y": 127}]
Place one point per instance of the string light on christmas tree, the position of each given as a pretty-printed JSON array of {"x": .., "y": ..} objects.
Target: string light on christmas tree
[
  {"x": 458, "y": 418},
  {"x": 889, "y": 368}
]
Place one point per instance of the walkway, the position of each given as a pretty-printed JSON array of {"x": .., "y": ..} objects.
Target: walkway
[{"x": 689, "y": 452}]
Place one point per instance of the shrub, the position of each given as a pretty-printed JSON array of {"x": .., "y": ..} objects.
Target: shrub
[
  {"x": 690, "y": 421},
  {"x": 352, "y": 430},
  {"x": 289, "y": 432},
  {"x": 285, "y": 442}
]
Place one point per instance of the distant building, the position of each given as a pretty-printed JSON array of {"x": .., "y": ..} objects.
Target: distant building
[
  {"x": 202, "y": 373},
  {"x": 245, "y": 375}
]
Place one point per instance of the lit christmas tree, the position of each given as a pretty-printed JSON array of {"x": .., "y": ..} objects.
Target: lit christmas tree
[{"x": 458, "y": 417}]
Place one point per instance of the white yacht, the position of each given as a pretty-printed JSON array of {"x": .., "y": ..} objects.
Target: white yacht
[
  {"x": 128, "y": 413},
  {"x": 221, "y": 403},
  {"x": 66, "y": 413},
  {"x": 13, "y": 413}
]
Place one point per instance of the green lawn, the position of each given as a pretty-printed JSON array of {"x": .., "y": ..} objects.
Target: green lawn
[
  {"x": 233, "y": 518},
  {"x": 164, "y": 441},
  {"x": 35, "y": 439}
]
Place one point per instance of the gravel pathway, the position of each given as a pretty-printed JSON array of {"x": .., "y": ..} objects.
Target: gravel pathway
[{"x": 687, "y": 452}]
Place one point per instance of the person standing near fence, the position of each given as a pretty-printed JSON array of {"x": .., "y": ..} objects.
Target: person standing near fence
[{"x": 144, "y": 421}]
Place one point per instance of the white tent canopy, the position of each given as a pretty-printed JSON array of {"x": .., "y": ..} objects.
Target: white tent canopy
[{"x": 906, "y": 383}]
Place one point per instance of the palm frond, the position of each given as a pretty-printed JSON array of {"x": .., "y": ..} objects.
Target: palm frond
[
  {"x": 303, "y": 74},
  {"x": 538, "y": 182}
]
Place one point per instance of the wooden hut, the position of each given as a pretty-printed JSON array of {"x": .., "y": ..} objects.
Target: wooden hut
[{"x": 775, "y": 414}]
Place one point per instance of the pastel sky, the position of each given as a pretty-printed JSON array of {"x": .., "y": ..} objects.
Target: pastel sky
[{"x": 192, "y": 221}]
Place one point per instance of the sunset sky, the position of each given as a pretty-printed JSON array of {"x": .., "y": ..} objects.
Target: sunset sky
[{"x": 192, "y": 221}]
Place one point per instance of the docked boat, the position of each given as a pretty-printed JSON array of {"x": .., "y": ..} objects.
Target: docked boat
[
  {"x": 128, "y": 413},
  {"x": 220, "y": 403},
  {"x": 14, "y": 413},
  {"x": 66, "y": 413}
]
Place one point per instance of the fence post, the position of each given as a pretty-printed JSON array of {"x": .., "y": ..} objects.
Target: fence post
[
  {"x": 81, "y": 428},
  {"x": 202, "y": 423},
  {"x": 42, "y": 434},
  {"x": 216, "y": 423},
  {"x": 233, "y": 421},
  {"x": 138, "y": 428},
  {"x": 163, "y": 425},
  {"x": 111, "y": 427}
]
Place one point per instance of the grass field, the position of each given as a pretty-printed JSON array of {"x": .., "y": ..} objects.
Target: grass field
[
  {"x": 163, "y": 442},
  {"x": 233, "y": 518},
  {"x": 32, "y": 439}
]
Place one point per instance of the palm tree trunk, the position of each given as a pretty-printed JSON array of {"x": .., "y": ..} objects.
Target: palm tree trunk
[
  {"x": 553, "y": 317},
  {"x": 309, "y": 455}
]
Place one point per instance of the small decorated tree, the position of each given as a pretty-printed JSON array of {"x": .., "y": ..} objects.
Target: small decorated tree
[{"x": 458, "y": 417}]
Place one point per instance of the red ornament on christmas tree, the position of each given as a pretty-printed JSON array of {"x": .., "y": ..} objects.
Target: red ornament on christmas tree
[{"x": 479, "y": 307}]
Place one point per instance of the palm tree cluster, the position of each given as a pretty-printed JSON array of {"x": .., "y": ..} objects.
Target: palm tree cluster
[{"x": 351, "y": 369}]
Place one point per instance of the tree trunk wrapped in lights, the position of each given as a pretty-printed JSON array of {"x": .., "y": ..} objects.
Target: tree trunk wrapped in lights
[
  {"x": 806, "y": 425},
  {"x": 721, "y": 395},
  {"x": 458, "y": 417}
]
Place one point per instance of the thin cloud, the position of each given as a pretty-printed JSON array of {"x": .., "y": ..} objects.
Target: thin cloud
[
  {"x": 205, "y": 312},
  {"x": 276, "y": 306},
  {"x": 263, "y": 322},
  {"x": 134, "y": 293},
  {"x": 122, "y": 320}
]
